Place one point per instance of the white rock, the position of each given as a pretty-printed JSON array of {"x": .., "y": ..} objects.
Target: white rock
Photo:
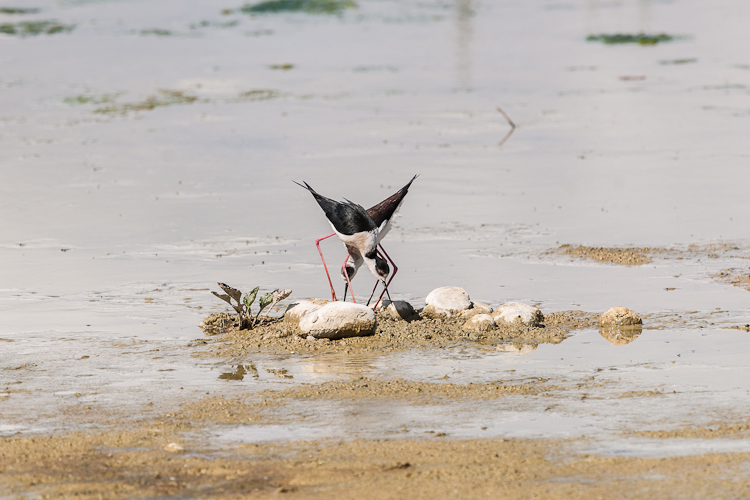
[
  {"x": 619, "y": 316},
  {"x": 398, "y": 309},
  {"x": 480, "y": 322},
  {"x": 445, "y": 302},
  {"x": 511, "y": 311},
  {"x": 174, "y": 447},
  {"x": 296, "y": 311},
  {"x": 476, "y": 308},
  {"x": 450, "y": 298},
  {"x": 482, "y": 307},
  {"x": 337, "y": 320}
]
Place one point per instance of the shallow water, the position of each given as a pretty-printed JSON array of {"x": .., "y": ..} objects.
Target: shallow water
[{"x": 115, "y": 225}]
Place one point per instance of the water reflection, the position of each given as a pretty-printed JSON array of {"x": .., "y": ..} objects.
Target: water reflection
[
  {"x": 605, "y": 16},
  {"x": 465, "y": 33},
  {"x": 621, "y": 335},
  {"x": 518, "y": 349},
  {"x": 239, "y": 372},
  {"x": 350, "y": 364}
]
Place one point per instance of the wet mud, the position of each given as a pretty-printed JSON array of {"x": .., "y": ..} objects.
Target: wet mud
[
  {"x": 164, "y": 458},
  {"x": 625, "y": 256},
  {"x": 719, "y": 430},
  {"x": 736, "y": 277},
  {"x": 277, "y": 335}
]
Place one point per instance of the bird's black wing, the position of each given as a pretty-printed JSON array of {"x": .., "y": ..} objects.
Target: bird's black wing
[
  {"x": 384, "y": 210},
  {"x": 347, "y": 218}
]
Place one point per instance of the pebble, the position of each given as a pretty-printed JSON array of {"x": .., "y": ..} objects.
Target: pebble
[
  {"x": 336, "y": 320},
  {"x": 512, "y": 311},
  {"x": 174, "y": 447},
  {"x": 446, "y": 301},
  {"x": 619, "y": 316},
  {"x": 480, "y": 323},
  {"x": 398, "y": 310}
]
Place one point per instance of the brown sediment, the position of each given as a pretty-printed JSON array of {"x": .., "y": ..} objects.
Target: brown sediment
[
  {"x": 736, "y": 277},
  {"x": 634, "y": 256},
  {"x": 276, "y": 335},
  {"x": 156, "y": 460},
  {"x": 691, "y": 319},
  {"x": 413, "y": 391},
  {"x": 629, "y": 256},
  {"x": 641, "y": 394},
  {"x": 716, "y": 430}
]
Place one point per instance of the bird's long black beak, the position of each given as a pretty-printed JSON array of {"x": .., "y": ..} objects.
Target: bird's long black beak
[
  {"x": 346, "y": 289},
  {"x": 387, "y": 292}
]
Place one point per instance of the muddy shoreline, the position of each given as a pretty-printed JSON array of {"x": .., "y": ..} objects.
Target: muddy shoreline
[
  {"x": 177, "y": 455},
  {"x": 278, "y": 336}
]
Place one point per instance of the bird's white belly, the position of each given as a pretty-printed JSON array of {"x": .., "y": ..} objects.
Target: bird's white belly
[{"x": 364, "y": 241}]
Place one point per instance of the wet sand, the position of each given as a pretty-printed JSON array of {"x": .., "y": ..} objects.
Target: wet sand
[{"x": 164, "y": 458}]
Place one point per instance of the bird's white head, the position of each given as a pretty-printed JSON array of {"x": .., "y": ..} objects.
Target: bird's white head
[{"x": 377, "y": 266}]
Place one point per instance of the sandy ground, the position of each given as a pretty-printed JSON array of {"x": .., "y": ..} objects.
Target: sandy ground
[{"x": 175, "y": 455}]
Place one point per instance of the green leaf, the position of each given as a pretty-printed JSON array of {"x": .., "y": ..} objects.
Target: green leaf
[
  {"x": 250, "y": 298},
  {"x": 265, "y": 300}
]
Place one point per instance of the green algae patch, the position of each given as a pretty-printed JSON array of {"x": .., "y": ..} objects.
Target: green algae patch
[
  {"x": 156, "y": 31},
  {"x": 33, "y": 28},
  {"x": 18, "y": 10},
  {"x": 91, "y": 99},
  {"x": 679, "y": 61},
  {"x": 640, "y": 38},
  {"x": 258, "y": 95},
  {"x": 306, "y": 6},
  {"x": 163, "y": 98}
]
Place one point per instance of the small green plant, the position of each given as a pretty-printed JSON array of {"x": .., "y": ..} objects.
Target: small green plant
[
  {"x": 640, "y": 38},
  {"x": 244, "y": 303}
]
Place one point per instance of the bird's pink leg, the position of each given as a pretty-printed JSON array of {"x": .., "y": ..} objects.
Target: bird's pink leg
[
  {"x": 317, "y": 244},
  {"x": 395, "y": 270},
  {"x": 349, "y": 283}
]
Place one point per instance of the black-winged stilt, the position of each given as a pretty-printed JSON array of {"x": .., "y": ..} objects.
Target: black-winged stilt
[{"x": 361, "y": 231}]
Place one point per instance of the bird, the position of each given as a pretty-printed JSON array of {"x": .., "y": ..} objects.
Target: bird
[
  {"x": 361, "y": 232},
  {"x": 382, "y": 214}
]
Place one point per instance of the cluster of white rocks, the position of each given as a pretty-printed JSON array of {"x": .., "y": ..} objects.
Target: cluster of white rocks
[{"x": 335, "y": 320}]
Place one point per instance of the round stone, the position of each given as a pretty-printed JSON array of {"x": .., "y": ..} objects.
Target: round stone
[
  {"x": 480, "y": 323},
  {"x": 518, "y": 311},
  {"x": 336, "y": 320},
  {"x": 398, "y": 310},
  {"x": 619, "y": 316},
  {"x": 296, "y": 311}
]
